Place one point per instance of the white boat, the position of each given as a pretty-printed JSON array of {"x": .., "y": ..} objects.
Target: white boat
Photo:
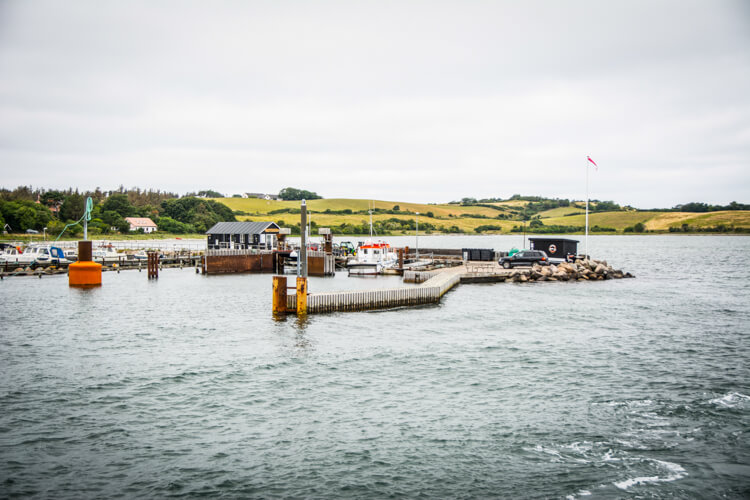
[
  {"x": 106, "y": 253},
  {"x": 34, "y": 254},
  {"x": 9, "y": 253},
  {"x": 372, "y": 259}
]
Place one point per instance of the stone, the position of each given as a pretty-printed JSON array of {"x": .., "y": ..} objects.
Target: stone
[
  {"x": 600, "y": 269},
  {"x": 546, "y": 271},
  {"x": 523, "y": 278},
  {"x": 552, "y": 268}
]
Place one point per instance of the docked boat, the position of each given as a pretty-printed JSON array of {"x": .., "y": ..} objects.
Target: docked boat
[
  {"x": 371, "y": 259},
  {"x": 106, "y": 253},
  {"x": 34, "y": 254}
]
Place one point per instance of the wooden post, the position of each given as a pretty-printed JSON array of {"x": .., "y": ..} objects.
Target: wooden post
[
  {"x": 153, "y": 265},
  {"x": 279, "y": 294},
  {"x": 302, "y": 256},
  {"x": 301, "y": 295}
]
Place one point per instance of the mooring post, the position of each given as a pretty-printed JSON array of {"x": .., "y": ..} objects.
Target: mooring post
[
  {"x": 85, "y": 272},
  {"x": 301, "y": 295},
  {"x": 302, "y": 257},
  {"x": 279, "y": 294},
  {"x": 153, "y": 265}
]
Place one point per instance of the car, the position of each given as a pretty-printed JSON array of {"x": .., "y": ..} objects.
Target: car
[{"x": 525, "y": 258}]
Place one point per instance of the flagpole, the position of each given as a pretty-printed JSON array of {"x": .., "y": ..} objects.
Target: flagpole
[{"x": 586, "y": 239}]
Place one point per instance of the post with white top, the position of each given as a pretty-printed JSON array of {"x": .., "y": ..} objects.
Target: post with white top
[
  {"x": 417, "y": 237},
  {"x": 303, "y": 241}
]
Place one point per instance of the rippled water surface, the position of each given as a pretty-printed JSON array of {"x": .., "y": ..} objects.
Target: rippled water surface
[{"x": 186, "y": 386}]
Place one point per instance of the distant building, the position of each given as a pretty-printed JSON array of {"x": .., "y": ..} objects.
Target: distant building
[
  {"x": 144, "y": 223},
  {"x": 262, "y": 196},
  {"x": 242, "y": 235}
]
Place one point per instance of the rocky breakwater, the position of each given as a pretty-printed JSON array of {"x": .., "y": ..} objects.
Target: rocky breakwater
[{"x": 580, "y": 270}]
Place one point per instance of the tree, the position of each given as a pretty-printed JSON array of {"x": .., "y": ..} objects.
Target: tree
[
  {"x": 72, "y": 207},
  {"x": 119, "y": 203},
  {"x": 291, "y": 193}
]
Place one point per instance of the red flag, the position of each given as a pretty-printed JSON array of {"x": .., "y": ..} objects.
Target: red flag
[{"x": 592, "y": 161}]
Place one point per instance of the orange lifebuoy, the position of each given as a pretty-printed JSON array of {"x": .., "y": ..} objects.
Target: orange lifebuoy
[{"x": 552, "y": 249}]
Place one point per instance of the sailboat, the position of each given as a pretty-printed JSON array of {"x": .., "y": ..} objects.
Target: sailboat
[{"x": 372, "y": 257}]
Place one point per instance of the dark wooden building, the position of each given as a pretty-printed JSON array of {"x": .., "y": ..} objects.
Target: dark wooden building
[
  {"x": 556, "y": 248},
  {"x": 242, "y": 236}
]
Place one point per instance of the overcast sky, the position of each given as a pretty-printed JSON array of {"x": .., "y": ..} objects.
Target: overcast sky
[{"x": 412, "y": 101}]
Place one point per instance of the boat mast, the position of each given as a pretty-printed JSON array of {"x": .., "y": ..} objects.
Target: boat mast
[{"x": 373, "y": 204}]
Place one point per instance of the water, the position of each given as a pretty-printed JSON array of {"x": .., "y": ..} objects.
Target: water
[{"x": 187, "y": 387}]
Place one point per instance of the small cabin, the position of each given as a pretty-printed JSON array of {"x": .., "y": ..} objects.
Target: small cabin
[
  {"x": 556, "y": 248},
  {"x": 243, "y": 236}
]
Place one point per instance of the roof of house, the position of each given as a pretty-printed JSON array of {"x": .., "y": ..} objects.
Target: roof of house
[
  {"x": 140, "y": 221},
  {"x": 240, "y": 227}
]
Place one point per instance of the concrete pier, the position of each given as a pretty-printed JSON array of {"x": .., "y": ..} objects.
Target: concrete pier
[{"x": 435, "y": 283}]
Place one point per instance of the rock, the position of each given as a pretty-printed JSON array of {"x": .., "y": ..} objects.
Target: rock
[
  {"x": 600, "y": 269},
  {"x": 551, "y": 278},
  {"x": 523, "y": 278},
  {"x": 628, "y": 275},
  {"x": 542, "y": 278},
  {"x": 561, "y": 276},
  {"x": 18, "y": 270},
  {"x": 546, "y": 271},
  {"x": 552, "y": 268},
  {"x": 617, "y": 275}
]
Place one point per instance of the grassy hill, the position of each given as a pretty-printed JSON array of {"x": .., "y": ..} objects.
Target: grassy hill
[{"x": 397, "y": 217}]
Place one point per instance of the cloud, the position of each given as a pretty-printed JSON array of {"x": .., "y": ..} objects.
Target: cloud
[{"x": 420, "y": 101}]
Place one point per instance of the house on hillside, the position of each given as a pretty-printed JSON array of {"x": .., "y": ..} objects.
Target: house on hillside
[
  {"x": 242, "y": 235},
  {"x": 144, "y": 223},
  {"x": 262, "y": 196}
]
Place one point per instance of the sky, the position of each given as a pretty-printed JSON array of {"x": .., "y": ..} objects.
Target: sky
[{"x": 392, "y": 100}]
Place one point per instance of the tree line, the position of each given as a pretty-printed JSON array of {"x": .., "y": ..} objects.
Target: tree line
[{"x": 26, "y": 208}]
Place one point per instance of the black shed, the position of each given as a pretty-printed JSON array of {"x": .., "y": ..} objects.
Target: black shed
[
  {"x": 242, "y": 235},
  {"x": 556, "y": 248}
]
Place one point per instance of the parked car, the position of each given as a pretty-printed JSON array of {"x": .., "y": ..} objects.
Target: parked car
[{"x": 525, "y": 258}]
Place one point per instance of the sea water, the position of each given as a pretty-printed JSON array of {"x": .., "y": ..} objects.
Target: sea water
[{"x": 186, "y": 386}]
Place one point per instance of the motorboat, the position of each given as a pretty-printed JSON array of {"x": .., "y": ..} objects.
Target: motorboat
[
  {"x": 371, "y": 259},
  {"x": 106, "y": 253},
  {"x": 34, "y": 254}
]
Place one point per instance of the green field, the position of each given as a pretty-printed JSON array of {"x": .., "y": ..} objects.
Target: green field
[{"x": 460, "y": 216}]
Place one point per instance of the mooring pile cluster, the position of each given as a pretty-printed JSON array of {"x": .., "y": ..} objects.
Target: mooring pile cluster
[{"x": 580, "y": 270}]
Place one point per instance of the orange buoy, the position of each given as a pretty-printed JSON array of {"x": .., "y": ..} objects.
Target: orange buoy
[{"x": 85, "y": 272}]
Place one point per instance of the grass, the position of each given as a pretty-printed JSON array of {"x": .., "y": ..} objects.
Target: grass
[{"x": 457, "y": 215}]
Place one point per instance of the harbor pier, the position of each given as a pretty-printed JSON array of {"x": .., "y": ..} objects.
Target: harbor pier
[{"x": 433, "y": 284}]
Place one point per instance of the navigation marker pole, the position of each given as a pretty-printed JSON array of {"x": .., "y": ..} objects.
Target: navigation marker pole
[{"x": 586, "y": 239}]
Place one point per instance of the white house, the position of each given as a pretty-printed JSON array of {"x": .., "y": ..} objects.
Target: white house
[{"x": 144, "y": 223}]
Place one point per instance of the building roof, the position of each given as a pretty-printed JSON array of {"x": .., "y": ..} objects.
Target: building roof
[
  {"x": 241, "y": 227},
  {"x": 140, "y": 221}
]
